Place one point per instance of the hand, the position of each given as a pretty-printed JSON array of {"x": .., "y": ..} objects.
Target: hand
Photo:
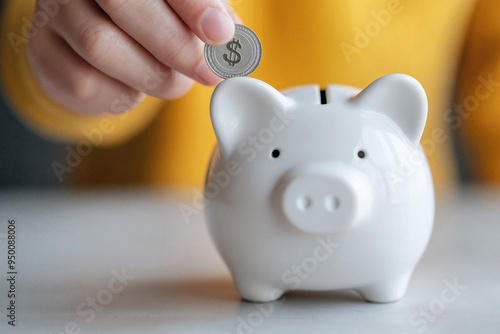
[{"x": 92, "y": 52}]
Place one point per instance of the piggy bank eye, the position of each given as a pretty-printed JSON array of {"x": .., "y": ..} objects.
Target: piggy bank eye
[
  {"x": 275, "y": 153},
  {"x": 361, "y": 154}
]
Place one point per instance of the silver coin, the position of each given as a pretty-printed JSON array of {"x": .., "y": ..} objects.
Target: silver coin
[{"x": 237, "y": 58}]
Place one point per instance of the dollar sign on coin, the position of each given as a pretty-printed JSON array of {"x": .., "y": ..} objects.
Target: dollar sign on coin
[
  {"x": 245, "y": 53},
  {"x": 234, "y": 56}
]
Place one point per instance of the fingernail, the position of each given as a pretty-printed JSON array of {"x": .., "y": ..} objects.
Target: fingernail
[
  {"x": 217, "y": 26},
  {"x": 206, "y": 76}
]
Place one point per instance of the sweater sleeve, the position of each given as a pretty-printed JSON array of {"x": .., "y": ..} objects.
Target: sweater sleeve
[
  {"x": 37, "y": 111},
  {"x": 477, "y": 110}
]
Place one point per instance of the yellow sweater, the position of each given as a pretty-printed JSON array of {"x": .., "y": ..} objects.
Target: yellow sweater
[{"x": 325, "y": 41}]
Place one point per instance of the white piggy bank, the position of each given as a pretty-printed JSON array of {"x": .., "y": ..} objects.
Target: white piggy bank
[{"x": 320, "y": 190}]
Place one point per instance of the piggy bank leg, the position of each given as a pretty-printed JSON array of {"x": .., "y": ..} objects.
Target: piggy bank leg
[
  {"x": 387, "y": 291},
  {"x": 257, "y": 292}
]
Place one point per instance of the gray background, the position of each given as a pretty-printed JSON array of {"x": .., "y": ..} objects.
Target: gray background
[{"x": 25, "y": 158}]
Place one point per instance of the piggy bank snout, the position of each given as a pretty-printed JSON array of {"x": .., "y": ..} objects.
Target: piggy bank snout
[{"x": 325, "y": 198}]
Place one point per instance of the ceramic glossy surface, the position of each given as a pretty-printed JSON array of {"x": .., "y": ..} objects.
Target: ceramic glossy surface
[{"x": 312, "y": 193}]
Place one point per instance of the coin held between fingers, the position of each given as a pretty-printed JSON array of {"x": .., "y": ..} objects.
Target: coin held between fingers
[{"x": 239, "y": 57}]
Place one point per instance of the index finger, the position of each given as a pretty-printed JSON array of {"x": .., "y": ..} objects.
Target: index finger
[{"x": 160, "y": 30}]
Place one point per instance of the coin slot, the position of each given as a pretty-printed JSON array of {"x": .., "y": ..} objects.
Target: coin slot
[{"x": 322, "y": 94}]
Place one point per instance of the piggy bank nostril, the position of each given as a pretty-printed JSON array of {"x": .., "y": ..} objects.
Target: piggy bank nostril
[
  {"x": 304, "y": 202},
  {"x": 332, "y": 203}
]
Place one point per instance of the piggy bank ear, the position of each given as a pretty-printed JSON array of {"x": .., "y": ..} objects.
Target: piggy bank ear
[
  {"x": 400, "y": 97},
  {"x": 241, "y": 107}
]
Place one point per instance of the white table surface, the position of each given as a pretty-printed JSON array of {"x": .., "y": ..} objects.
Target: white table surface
[{"x": 71, "y": 244}]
